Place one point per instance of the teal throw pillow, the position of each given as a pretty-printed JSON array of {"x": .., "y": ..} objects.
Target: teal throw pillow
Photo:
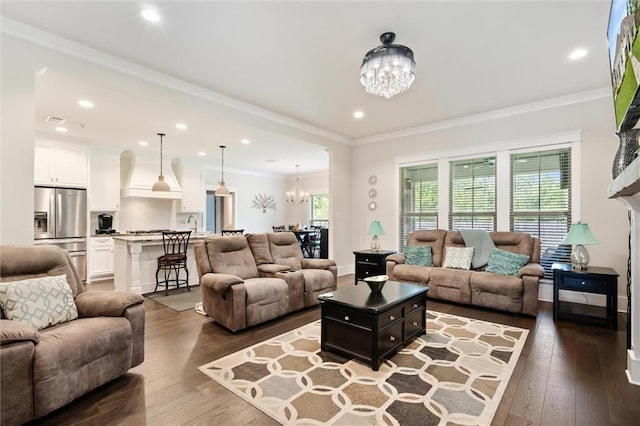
[
  {"x": 506, "y": 263},
  {"x": 39, "y": 302},
  {"x": 418, "y": 255}
]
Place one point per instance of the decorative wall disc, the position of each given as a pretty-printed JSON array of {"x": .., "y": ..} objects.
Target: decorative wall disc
[
  {"x": 373, "y": 193},
  {"x": 373, "y": 179}
]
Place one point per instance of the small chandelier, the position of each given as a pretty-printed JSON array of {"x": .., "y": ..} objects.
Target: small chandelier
[
  {"x": 161, "y": 185},
  {"x": 297, "y": 196},
  {"x": 222, "y": 190},
  {"x": 388, "y": 69}
]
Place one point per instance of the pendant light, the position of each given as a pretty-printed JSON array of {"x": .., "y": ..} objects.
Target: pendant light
[
  {"x": 161, "y": 185},
  {"x": 297, "y": 196},
  {"x": 222, "y": 190}
]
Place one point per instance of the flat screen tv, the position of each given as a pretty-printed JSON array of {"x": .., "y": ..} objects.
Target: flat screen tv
[{"x": 624, "y": 58}]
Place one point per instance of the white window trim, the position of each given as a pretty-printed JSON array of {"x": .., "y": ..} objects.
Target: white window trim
[{"x": 502, "y": 151}]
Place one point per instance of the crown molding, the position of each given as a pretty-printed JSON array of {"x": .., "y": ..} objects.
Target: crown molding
[
  {"x": 51, "y": 41},
  {"x": 491, "y": 115}
]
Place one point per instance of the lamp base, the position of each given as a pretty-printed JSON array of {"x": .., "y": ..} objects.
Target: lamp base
[
  {"x": 580, "y": 257},
  {"x": 375, "y": 244}
]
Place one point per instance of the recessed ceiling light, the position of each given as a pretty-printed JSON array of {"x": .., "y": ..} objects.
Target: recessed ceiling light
[
  {"x": 245, "y": 141},
  {"x": 150, "y": 15},
  {"x": 181, "y": 126},
  {"x": 271, "y": 161},
  {"x": 85, "y": 104},
  {"x": 358, "y": 114},
  {"x": 143, "y": 143},
  {"x": 202, "y": 153},
  {"x": 61, "y": 129},
  {"x": 578, "y": 54}
]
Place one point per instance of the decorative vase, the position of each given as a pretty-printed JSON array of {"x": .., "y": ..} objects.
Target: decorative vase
[{"x": 626, "y": 151}]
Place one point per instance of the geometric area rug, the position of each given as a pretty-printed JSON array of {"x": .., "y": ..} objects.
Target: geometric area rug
[{"x": 455, "y": 374}]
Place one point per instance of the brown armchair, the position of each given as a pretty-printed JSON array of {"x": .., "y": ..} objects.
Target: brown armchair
[{"x": 45, "y": 369}]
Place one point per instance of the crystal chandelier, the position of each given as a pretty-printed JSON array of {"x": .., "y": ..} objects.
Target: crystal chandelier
[
  {"x": 388, "y": 69},
  {"x": 297, "y": 196}
]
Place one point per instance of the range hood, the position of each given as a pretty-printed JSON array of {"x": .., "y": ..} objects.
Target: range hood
[{"x": 138, "y": 173}]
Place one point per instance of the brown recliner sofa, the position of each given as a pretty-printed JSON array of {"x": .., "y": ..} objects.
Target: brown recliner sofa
[
  {"x": 46, "y": 369},
  {"x": 247, "y": 280},
  {"x": 477, "y": 287}
]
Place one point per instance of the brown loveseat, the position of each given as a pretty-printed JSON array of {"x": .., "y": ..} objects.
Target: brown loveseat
[
  {"x": 42, "y": 370},
  {"x": 517, "y": 293},
  {"x": 247, "y": 280}
]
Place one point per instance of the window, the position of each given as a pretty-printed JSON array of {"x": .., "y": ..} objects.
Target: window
[
  {"x": 418, "y": 199},
  {"x": 541, "y": 201},
  {"x": 320, "y": 210},
  {"x": 472, "y": 194}
]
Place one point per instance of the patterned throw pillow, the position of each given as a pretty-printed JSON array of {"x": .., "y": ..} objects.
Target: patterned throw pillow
[
  {"x": 39, "y": 302},
  {"x": 418, "y": 255},
  {"x": 506, "y": 263},
  {"x": 458, "y": 257}
]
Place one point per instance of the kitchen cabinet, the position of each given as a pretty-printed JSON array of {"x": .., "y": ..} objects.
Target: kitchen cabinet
[
  {"x": 60, "y": 164},
  {"x": 101, "y": 256},
  {"x": 104, "y": 182},
  {"x": 192, "y": 183}
]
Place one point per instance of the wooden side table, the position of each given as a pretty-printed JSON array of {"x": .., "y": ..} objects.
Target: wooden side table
[
  {"x": 370, "y": 263},
  {"x": 596, "y": 280}
]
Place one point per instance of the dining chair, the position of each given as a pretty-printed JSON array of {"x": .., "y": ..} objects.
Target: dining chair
[
  {"x": 232, "y": 232},
  {"x": 311, "y": 245},
  {"x": 173, "y": 260},
  {"x": 279, "y": 228}
]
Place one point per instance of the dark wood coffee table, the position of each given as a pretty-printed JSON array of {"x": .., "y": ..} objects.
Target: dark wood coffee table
[{"x": 358, "y": 324}]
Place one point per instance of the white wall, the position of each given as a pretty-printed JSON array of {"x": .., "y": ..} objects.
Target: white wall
[
  {"x": 606, "y": 218},
  {"x": 245, "y": 186},
  {"x": 18, "y": 135}
]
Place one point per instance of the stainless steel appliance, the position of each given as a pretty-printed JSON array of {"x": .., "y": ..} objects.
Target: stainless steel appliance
[{"x": 60, "y": 218}]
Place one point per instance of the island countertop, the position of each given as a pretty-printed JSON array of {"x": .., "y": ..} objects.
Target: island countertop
[
  {"x": 135, "y": 260},
  {"x": 158, "y": 237}
]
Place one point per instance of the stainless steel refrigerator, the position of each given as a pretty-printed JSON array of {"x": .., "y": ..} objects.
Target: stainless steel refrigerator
[{"x": 60, "y": 218}]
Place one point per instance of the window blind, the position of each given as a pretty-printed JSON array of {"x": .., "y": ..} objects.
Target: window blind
[
  {"x": 418, "y": 199},
  {"x": 472, "y": 194},
  {"x": 541, "y": 201}
]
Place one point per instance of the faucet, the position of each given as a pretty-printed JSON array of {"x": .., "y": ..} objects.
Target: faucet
[{"x": 195, "y": 219}]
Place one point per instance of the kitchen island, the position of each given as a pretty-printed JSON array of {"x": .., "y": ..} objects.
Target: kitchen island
[{"x": 135, "y": 261}]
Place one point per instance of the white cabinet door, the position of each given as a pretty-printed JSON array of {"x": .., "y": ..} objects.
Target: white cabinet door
[
  {"x": 193, "y": 194},
  {"x": 60, "y": 164},
  {"x": 42, "y": 173},
  {"x": 70, "y": 165},
  {"x": 101, "y": 256},
  {"x": 104, "y": 184}
]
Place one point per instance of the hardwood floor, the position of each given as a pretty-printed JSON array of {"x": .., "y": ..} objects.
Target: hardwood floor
[{"x": 568, "y": 374}]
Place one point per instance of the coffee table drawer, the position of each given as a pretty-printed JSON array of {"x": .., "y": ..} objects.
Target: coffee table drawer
[
  {"x": 414, "y": 304},
  {"x": 348, "y": 338},
  {"x": 356, "y": 318},
  {"x": 413, "y": 323},
  {"x": 390, "y": 316},
  {"x": 390, "y": 338}
]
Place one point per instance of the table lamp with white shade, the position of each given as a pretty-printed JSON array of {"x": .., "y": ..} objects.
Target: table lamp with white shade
[
  {"x": 580, "y": 235},
  {"x": 375, "y": 229}
]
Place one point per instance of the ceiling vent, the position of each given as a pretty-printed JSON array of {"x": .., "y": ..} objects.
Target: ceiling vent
[{"x": 55, "y": 120}]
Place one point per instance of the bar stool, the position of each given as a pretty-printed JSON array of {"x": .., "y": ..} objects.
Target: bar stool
[
  {"x": 232, "y": 232},
  {"x": 174, "y": 258}
]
